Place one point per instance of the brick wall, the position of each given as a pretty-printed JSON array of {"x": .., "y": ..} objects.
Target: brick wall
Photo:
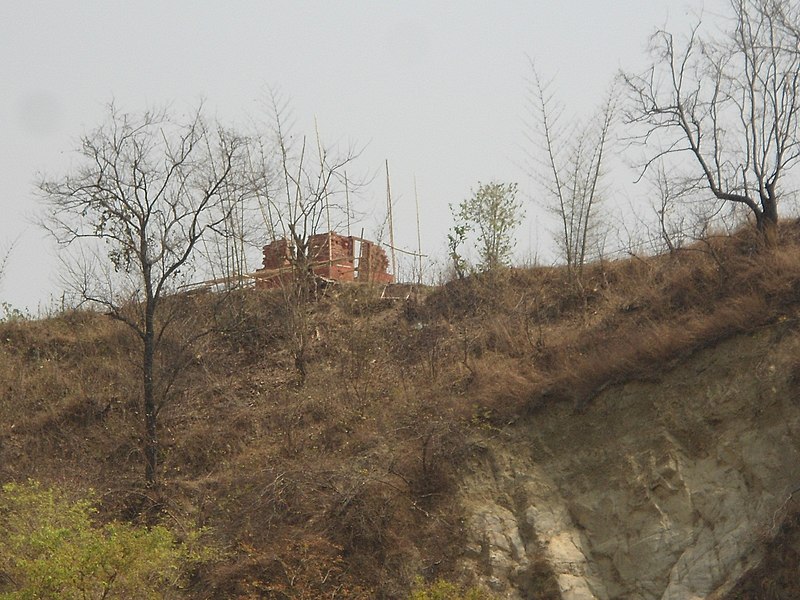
[
  {"x": 373, "y": 266},
  {"x": 342, "y": 261},
  {"x": 338, "y": 265}
]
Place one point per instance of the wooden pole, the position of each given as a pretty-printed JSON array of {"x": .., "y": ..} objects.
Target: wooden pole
[
  {"x": 360, "y": 252},
  {"x": 419, "y": 236},
  {"x": 391, "y": 224},
  {"x": 347, "y": 201},
  {"x": 325, "y": 195}
]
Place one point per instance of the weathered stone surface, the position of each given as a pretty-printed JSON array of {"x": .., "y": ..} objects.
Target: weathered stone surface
[{"x": 658, "y": 490}]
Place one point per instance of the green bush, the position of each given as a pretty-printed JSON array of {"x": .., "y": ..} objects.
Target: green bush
[
  {"x": 51, "y": 548},
  {"x": 445, "y": 590}
]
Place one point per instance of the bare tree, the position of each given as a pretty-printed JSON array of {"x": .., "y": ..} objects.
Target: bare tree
[
  {"x": 6, "y": 310},
  {"x": 229, "y": 252},
  {"x": 670, "y": 228},
  {"x": 148, "y": 190},
  {"x": 4, "y": 256},
  {"x": 729, "y": 101},
  {"x": 302, "y": 183},
  {"x": 303, "y": 190},
  {"x": 569, "y": 162}
]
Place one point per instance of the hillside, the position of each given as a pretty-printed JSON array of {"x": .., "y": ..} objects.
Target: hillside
[{"x": 631, "y": 435}]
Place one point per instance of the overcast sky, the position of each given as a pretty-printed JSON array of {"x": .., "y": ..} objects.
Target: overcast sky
[{"x": 436, "y": 88}]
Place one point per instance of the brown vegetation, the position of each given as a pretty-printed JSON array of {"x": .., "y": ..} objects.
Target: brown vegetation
[{"x": 344, "y": 486}]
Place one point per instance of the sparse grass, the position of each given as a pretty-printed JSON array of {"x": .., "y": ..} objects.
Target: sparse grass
[
  {"x": 548, "y": 339},
  {"x": 345, "y": 484}
]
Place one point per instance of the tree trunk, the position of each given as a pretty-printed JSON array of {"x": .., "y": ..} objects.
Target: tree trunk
[
  {"x": 767, "y": 220},
  {"x": 150, "y": 432},
  {"x": 770, "y": 211}
]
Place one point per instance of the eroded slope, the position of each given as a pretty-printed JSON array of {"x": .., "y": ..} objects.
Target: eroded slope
[{"x": 662, "y": 489}]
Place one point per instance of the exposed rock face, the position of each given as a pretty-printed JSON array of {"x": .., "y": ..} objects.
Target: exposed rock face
[{"x": 664, "y": 489}]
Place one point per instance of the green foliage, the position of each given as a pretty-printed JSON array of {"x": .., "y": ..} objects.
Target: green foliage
[
  {"x": 455, "y": 239},
  {"x": 491, "y": 214},
  {"x": 51, "y": 548},
  {"x": 445, "y": 590}
]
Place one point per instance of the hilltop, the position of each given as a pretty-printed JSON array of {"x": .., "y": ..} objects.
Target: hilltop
[{"x": 523, "y": 431}]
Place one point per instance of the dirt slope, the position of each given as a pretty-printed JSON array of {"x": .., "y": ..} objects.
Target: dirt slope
[{"x": 659, "y": 489}]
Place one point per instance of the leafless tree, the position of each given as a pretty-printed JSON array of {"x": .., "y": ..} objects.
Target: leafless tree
[
  {"x": 4, "y": 256},
  {"x": 6, "y": 310},
  {"x": 670, "y": 227},
  {"x": 302, "y": 184},
  {"x": 569, "y": 161},
  {"x": 229, "y": 253},
  {"x": 303, "y": 190},
  {"x": 146, "y": 192},
  {"x": 729, "y": 101}
]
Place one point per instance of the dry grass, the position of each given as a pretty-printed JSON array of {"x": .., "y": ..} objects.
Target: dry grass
[
  {"x": 535, "y": 334},
  {"x": 345, "y": 485}
]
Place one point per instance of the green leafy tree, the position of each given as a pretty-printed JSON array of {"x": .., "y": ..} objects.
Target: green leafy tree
[
  {"x": 491, "y": 214},
  {"x": 455, "y": 239},
  {"x": 51, "y": 548}
]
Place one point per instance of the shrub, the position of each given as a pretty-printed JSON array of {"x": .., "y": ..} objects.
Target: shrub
[
  {"x": 51, "y": 548},
  {"x": 445, "y": 590}
]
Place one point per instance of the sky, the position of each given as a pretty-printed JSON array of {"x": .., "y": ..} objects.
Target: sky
[{"x": 438, "y": 89}]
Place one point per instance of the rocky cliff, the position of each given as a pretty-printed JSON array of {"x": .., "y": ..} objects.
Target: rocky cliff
[{"x": 668, "y": 488}]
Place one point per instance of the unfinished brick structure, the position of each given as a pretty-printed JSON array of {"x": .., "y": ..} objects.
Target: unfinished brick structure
[
  {"x": 331, "y": 256},
  {"x": 373, "y": 266}
]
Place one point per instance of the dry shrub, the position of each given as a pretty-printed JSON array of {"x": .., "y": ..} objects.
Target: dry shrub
[
  {"x": 504, "y": 291},
  {"x": 424, "y": 343},
  {"x": 203, "y": 447},
  {"x": 359, "y": 301},
  {"x": 246, "y": 321},
  {"x": 427, "y": 458},
  {"x": 72, "y": 412},
  {"x": 360, "y": 516},
  {"x": 301, "y": 566},
  {"x": 507, "y": 336},
  {"x": 640, "y": 350},
  {"x": 497, "y": 391}
]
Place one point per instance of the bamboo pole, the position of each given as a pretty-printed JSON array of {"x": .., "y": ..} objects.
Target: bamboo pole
[
  {"x": 347, "y": 200},
  {"x": 325, "y": 196},
  {"x": 419, "y": 236},
  {"x": 391, "y": 224}
]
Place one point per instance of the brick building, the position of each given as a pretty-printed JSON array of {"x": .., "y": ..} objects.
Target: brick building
[{"x": 330, "y": 256}]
